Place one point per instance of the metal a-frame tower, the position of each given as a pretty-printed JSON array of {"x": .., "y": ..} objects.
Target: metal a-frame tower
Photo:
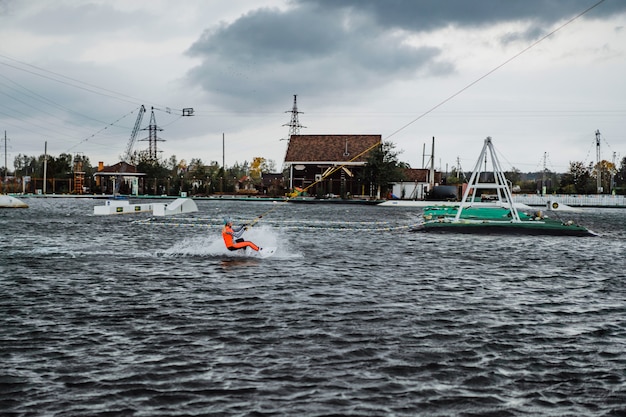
[{"x": 499, "y": 184}]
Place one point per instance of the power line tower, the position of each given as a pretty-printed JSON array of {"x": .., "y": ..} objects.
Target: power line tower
[
  {"x": 152, "y": 137},
  {"x": 294, "y": 124}
]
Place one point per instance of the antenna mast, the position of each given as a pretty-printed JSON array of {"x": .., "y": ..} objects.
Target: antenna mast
[{"x": 294, "y": 124}]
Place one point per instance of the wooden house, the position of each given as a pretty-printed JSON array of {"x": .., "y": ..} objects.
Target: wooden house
[
  {"x": 329, "y": 165},
  {"x": 120, "y": 178}
]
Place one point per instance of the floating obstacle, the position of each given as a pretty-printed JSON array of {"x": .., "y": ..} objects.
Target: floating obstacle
[
  {"x": 558, "y": 206},
  {"x": 179, "y": 206},
  {"x": 469, "y": 218},
  {"x": 6, "y": 201}
]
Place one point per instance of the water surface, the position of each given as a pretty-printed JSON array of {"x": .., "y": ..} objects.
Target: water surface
[{"x": 354, "y": 315}]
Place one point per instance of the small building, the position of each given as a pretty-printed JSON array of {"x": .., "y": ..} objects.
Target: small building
[
  {"x": 272, "y": 184},
  {"x": 245, "y": 185},
  {"x": 329, "y": 165},
  {"x": 416, "y": 184},
  {"x": 121, "y": 178}
]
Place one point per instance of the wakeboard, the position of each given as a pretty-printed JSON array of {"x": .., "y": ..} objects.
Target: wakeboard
[{"x": 264, "y": 252}]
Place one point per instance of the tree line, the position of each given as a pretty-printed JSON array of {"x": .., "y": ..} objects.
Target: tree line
[
  {"x": 163, "y": 176},
  {"x": 579, "y": 179},
  {"x": 171, "y": 176}
]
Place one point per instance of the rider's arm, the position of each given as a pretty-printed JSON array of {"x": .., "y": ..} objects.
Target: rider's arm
[{"x": 238, "y": 231}]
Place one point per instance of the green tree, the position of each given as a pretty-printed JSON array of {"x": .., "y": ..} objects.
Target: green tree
[
  {"x": 456, "y": 176},
  {"x": 25, "y": 165},
  {"x": 383, "y": 167},
  {"x": 606, "y": 170},
  {"x": 158, "y": 178},
  {"x": 620, "y": 177},
  {"x": 514, "y": 175},
  {"x": 576, "y": 179},
  {"x": 256, "y": 169},
  {"x": 234, "y": 174},
  {"x": 198, "y": 176},
  {"x": 214, "y": 175}
]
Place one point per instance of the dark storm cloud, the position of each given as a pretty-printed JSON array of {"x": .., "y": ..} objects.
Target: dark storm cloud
[
  {"x": 268, "y": 55},
  {"x": 317, "y": 47},
  {"x": 424, "y": 15}
]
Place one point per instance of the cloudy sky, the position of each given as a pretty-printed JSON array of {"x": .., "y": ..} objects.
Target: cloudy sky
[{"x": 73, "y": 73}]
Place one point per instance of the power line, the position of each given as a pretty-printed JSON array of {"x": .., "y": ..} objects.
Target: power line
[
  {"x": 72, "y": 82},
  {"x": 494, "y": 69}
]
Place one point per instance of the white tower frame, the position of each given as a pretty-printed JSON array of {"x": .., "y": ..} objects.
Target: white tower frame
[{"x": 500, "y": 183}]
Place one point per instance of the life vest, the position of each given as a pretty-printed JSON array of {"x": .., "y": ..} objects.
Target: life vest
[{"x": 227, "y": 235}]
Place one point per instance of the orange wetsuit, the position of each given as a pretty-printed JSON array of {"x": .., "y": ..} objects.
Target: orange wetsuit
[{"x": 229, "y": 235}]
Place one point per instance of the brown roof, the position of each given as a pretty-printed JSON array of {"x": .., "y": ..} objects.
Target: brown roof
[
  {"x": 121, "y": 168},
  {"x": 330, "y": 148},
  {"x": 416, "y": 174},
  {"x": 419, "y": 175}
]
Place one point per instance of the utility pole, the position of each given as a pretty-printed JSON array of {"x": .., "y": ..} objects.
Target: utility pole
[
  {"x": 45, "y": 166},
  {"x": 543, "y": 174},
  {"x": 432, "y": 167},
  {"x": 6, "y": 167},
  {"x": 6, "y": 170},
  {"x": 612, "y": 191},
  {"x": 598, "y": 168}
]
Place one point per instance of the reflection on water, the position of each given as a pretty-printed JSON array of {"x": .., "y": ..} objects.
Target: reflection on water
[{"x": 233, "y": 262}]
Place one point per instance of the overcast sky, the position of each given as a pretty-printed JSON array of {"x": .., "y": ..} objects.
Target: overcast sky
[{"x": 74, "y": 73}]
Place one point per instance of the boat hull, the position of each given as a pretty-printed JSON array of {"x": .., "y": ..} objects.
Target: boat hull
[
  {"x": 529, "y": 228},
  {"x": 496, "y": 220}
]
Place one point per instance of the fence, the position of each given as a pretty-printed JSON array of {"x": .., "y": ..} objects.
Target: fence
[
  {"x": 31, "y": 185},
  {"x": 574, "y": 200}
]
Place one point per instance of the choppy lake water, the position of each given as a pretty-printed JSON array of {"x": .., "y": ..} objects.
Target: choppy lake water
[{"x": 354, "y": 315}]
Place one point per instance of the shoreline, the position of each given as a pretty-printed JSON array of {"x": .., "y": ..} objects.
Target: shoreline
[{"x": 578, "y": 201}]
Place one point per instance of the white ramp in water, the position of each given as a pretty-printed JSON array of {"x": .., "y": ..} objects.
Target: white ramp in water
[
  {"x": 6, "y": 201},
  {"x": 178, "y": 206},
  {"x": 557, "y": 206},
  {"x": 121, "y": 207}
]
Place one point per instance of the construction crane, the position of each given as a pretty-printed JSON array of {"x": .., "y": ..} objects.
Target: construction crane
[
  {"x": 133, "y": 135},
  {"x": 126, "y": 158}
]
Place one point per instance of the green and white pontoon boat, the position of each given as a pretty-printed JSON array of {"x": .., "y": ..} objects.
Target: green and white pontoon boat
[{"x": 501, "y": 217}]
